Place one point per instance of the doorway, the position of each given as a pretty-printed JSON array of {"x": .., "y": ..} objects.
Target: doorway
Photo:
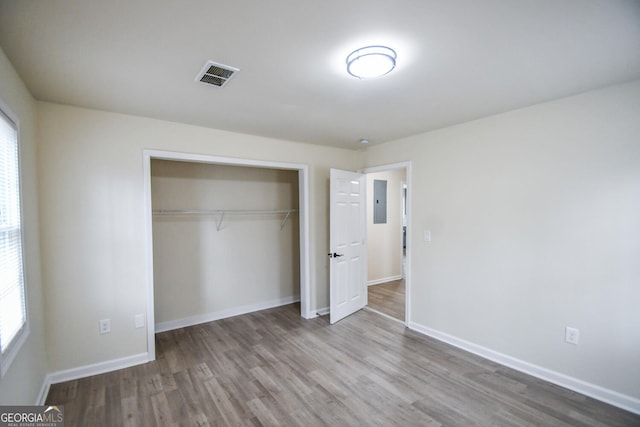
[
  {"x": 388, "y": 240},
  {"x": 303, "y": 215}
]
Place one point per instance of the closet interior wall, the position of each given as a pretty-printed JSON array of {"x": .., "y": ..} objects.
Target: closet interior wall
[{"x": 206, "y": 265}]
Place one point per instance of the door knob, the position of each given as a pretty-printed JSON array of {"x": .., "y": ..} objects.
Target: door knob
[{"x": 335, "y": 255}]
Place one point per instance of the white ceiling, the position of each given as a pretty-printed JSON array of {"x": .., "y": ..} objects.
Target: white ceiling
[{"x": 458, "y": 60}]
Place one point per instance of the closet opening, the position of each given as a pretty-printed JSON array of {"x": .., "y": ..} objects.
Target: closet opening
[{"x": 225, "y": 237}]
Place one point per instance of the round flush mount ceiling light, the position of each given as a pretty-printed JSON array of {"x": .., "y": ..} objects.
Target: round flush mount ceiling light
[{"x": 371, "y": 61}]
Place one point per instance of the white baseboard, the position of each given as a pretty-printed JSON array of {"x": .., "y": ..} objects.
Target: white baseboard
[
  {"x": 89, "y": 370},
  {"x": 383, "y": 280},
  {"x": 223, "y": 314},
  {"x": 611, "y": 397}
]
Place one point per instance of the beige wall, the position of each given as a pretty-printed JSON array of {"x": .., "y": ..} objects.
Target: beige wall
[
  {"x": 384, "y": 241},
  {"x": 199, "y": 270},
  {"x": 22, "y": 383},
  {"x": 535, "y": 226},
  {"x": 92, "y": 205}
]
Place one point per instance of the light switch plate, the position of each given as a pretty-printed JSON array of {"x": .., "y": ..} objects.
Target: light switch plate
[{"x": 139, "y": 320}]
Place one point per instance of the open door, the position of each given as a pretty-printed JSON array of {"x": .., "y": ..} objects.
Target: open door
[{"x": 348, "y": 266}]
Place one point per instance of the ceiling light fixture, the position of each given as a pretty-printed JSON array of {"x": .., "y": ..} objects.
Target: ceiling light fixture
[{"x": 371, "y": 61}]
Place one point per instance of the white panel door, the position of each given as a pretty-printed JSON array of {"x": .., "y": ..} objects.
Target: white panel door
[{"x": 348, "y": 288}]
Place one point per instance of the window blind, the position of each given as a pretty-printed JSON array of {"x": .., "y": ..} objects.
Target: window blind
[{"x": 12, "y": 295}]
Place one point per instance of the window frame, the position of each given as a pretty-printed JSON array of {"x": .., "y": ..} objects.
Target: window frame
[{"x": 20, "y": 338}]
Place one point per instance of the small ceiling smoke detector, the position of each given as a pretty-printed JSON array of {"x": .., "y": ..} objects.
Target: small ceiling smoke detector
[{"x": 216, "y": 74}]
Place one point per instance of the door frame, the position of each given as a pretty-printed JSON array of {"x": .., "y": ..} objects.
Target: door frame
[
  {"x": 303, "y": 209},
  {"x": 407, "y": 280}
]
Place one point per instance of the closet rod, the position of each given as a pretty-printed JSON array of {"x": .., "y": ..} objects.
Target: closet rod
[{"x": 223, "y": 212}]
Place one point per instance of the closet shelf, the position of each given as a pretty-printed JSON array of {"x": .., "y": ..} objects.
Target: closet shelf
[{"x": 222, "y": 212}]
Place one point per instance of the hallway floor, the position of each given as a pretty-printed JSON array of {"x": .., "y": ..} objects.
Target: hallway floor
[{"x": 388, "y": 298}]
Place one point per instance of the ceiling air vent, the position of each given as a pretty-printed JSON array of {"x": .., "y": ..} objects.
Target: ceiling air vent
[{"x": 216, "y": 74}]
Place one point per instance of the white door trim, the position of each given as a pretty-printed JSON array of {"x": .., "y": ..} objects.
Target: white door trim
[
  {"x": 407, "y": 281},
  {"x": 303, "y": 189}
]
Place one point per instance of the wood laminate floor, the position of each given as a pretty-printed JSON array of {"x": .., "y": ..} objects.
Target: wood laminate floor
[
  {"x": 274, "y": 368},
  {"x": 388, "y": 298}
]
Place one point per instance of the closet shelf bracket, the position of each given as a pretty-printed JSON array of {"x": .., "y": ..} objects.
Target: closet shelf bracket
[
  {"x": 219, "y": 223},
  {"x": 284, "y": 221}
]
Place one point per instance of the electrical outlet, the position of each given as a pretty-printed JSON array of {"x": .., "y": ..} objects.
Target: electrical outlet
[
  {"x": 426, "y": 235},
  {"x": 104, "y": 326},
  {"x": 571, "y": 335}
]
